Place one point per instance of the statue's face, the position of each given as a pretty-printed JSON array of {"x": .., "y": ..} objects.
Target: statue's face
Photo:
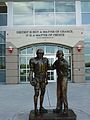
[
  {"x": 60, "y": 55},
  {"x": 40, "y": 55}
]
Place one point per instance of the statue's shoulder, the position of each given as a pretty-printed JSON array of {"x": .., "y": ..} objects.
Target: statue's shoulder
[
  {"x": 32, "y": 59},
  {"x": 65, "y": 61},
  {"x": 44, "y": 58}
]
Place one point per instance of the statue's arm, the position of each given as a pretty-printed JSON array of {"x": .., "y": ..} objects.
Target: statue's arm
[
  {"x": 48, "y": 65},
  {"x": 31, "y": 65},
  {"x": 53, "y": 66}
]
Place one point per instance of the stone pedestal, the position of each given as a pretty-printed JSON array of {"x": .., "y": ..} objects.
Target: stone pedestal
[{"x": 52, "y": 116}]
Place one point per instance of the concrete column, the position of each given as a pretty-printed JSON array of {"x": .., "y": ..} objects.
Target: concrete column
[
  {"x": 12, "y": 68},
  {"x": 10, "y": 13},
  {"x": 78, "y": 71},
  {"x": 78, "y": 13}
]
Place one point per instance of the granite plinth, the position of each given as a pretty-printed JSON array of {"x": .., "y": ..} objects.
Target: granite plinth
[{"x": 52, "y": 116}]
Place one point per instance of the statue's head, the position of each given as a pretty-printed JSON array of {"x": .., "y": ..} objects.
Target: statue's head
[
  {"x": 40, "y": 53},
  {"x": 59, "y": 54}
]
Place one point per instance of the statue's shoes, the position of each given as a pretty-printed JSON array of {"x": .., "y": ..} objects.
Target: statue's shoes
[
  {"x": 43, "y": 110},
  {"x": 65, "y": 111},
  {"x": 57, "y": 110},
  {"x": 36, "y": 111}
]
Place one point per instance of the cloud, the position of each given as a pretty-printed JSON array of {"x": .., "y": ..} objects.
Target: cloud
[{"x": 65, "y": 18}]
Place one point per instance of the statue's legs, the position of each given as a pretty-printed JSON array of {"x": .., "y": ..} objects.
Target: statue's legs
[
  {"x": 35, "y": 104},
  {"x": 64, "y": 93},
  {"x": 59, "y": 96},
  {"x": 36, "y": 89},
  {"x": 42, "y": 109},
  {"x": 41, "y": 101}
]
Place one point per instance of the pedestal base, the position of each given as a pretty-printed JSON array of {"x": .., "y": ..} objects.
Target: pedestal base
[{"x": 52, "y": 116}]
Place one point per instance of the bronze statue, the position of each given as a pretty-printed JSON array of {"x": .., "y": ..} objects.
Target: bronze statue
[
  {"x": 61, "y": 66},
  {"x": 38, "y": 78}
]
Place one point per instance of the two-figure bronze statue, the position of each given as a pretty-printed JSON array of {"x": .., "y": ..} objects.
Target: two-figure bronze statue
[{"x": 39, "y": 66}]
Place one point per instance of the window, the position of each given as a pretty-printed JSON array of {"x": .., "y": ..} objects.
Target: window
[
  {"x": 50, "y": 50},
  {"x": 2, "y": 56},
  {"x": 23, "y": 13},
  {"x": 65, "y": 13},
  {"x": 87, "y": 53},
  {"x": 85, "y": 8},
  {"x": 44, "y": 13},
  {"x": 65, "y": 18},
  {"x": 3, "y": 14},
  {"x": 65, "y": 7}
]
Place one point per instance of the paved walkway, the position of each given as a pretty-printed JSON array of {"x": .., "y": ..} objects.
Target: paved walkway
[{"x": 17, "y": 100}]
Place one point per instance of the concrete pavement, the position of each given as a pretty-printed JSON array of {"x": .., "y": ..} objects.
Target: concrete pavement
[{"x": 16, "y": 101}]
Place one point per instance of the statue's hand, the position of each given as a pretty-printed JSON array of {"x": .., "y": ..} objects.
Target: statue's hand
[
  {"x": 33, "y": 82},
  {"x": 46, "y": 82},
  {"x": 61, "y": 73}
]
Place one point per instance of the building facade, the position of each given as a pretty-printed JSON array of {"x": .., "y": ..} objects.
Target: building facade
[{"x": 50, "y": 25}]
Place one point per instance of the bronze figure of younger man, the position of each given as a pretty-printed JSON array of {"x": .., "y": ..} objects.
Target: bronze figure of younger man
[
  {"x": 38, "y": 78},
  {"x": 61, "y": 66}
]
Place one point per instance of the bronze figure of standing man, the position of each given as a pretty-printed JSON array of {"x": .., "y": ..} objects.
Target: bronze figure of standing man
[
  {"x": 61, "y": 66},
  {"x": 38, "y": 78}
]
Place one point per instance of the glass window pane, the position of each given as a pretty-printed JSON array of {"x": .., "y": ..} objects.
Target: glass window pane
[
  {"x": 85, "y": 18},
  {"x": 23, "y": 72},
  {"x": 2, "y": 33},
  {"x": 51, "y": 61},
  {"x": 2, "y": 62},
  {"x": 87, "y": 44},
  {"x": 87, "y": 70},
  {"x": 87, "y": 50},
  {"x": 24, "y": 19},
  {"x": 44, "y": 6},
  {"x": 60, "y": 48},
  {"x": 39, "y": 47},
  {"x": 65, "y": 19},
  {"x": 28, "y": 58},
  {"x": 66, "y": 50},
  {"x": 44, "y": 18},
  {"x": 65, "y": 7},
  {"x": 87, "y": 59},
  {"x": 2, "y": 49},
  {"x": 50, "y": 75},
  {"x": 50, "y": 49},
  {"x": 85, "y": 6},
  {"x": 2, "y": 75},
  {"x": 67, "y": 58},
  {"x": 22, "y": 7},
  {"x": 3, "y": 19},
  {"x": 29, "y": 50},
  {"x": 22, "y": 62},
  {"x": 87, "y": 77},
  {"x": 22, "y": 78},
  {"x": 3, "y": 7},
  {"x": 2, "y": 37},
  {"x": 23, "y": 51},
  {"x": 87, "y": 64}
]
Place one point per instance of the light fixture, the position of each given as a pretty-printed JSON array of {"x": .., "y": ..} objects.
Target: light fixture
[
  {"x": 10, "y": 49},
  {"x": 79, "y": 48}
]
